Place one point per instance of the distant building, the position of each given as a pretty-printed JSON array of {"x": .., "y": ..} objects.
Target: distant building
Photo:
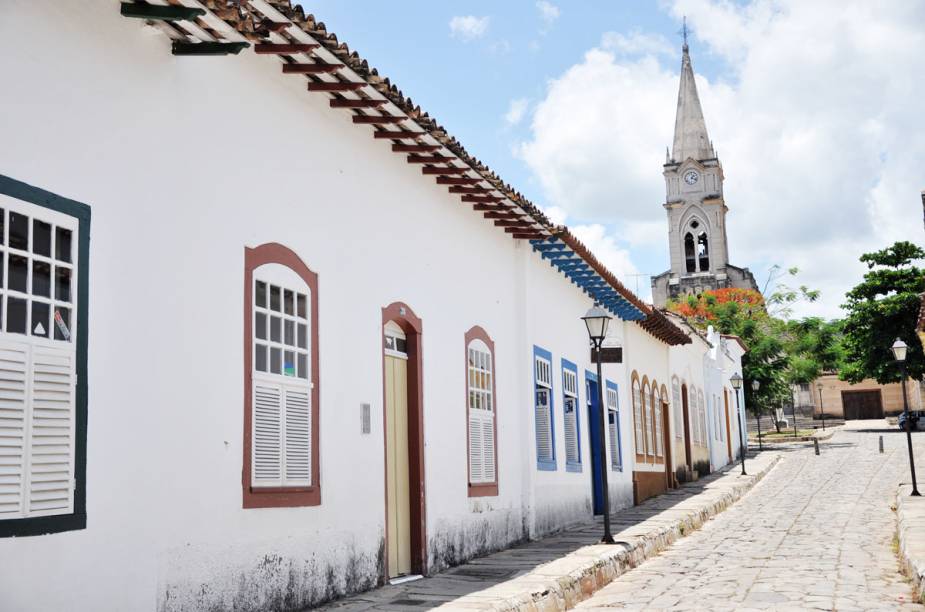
[{"x": 696, "y": 209}]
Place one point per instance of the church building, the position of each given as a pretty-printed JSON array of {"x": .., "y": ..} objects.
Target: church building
[{"x": 695, "y": 206}]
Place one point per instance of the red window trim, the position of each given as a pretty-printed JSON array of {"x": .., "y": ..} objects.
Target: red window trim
[
  {"x": 485, "y": 489},
  {"x": 278, "y": 497}
]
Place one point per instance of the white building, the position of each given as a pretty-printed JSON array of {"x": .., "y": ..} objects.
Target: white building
[{"x": 237, "y": 384}]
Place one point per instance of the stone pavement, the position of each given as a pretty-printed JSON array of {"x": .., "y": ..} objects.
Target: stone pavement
[
  {"x": 817, "y": 533},
  {"x": 558, "y": 571},
  {"x": 911, "y": 511}
]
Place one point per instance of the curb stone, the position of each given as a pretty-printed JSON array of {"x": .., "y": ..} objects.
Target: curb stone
[
  {"x": 910, "y": 514},
  {"x": 565, "y": 582}
]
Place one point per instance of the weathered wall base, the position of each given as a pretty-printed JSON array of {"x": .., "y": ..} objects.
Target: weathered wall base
[
  {"x": 453, "y": 544},
  {"x": 648, "y": 484}
]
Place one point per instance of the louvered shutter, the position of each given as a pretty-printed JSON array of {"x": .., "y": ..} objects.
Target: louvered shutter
[
  {"x": 297, "y": 441},
  {"x": 612, "y": 418},
  {"x": 14, "y": 360},
  {"x": 543, "y": 429},
  {"x": 51, "y": 449},
  {"x": 267, "y": 435},
  {"x": 488, "y": 448},
  {"x": 571, "y": 432},
  {"x": 476, "y": 454}
]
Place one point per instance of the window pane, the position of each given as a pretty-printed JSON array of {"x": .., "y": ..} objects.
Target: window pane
[
  {"x": 62, "y": 284},
  {"x": 41, "y": 278},
  {"x": 16, "y": 316},
  {"x": 274, "y": 298},
  {"x": 289, "y": 363},
  {"x": 275, "y": 359},
  {"x": 2, "y": 224},
  {"x": 19, "y": 231},
  {"x": 275, "y": 329},
  {"x": 303, "y": 336},
  {"x": 260, "y": 326},
  {"x": 40, "y": 319},
  {"x": 303, "y": 365},
  {"x": 41, "y": 238},
  {"x": 261, "y": 297},
  {"x": 288, "y": 302},
  {"x": 289, "y": 332},
  {"x": 301, "y": 304},
  {"x": 63, "y": 244},
  {"x": 18, "y": 273},
  {"x": 65, "y": 315},
  {"x": 260, "y": 357}
]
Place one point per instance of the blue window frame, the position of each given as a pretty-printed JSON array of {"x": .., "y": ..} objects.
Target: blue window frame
[
  {"x": 543, "y": 413},
  {"x": 570, "y": 418},
  {"x": 612, "y": 399}
]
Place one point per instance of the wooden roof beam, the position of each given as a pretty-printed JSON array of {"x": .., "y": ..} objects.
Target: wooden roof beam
[
  {"x": 371, "y": 120},
  {"x": 316, "y": 68},
  {"x": 160, "y": 13},
  {"x": 183, "y": 48},
  {"x": 397, "y": 134},
  {"x": 414, "y": 148},
  {"x": 527, "y": 235},
  {"x": 363, "y": 103},
  {"x": 513, "y": 223},
  {"x": 490, "y": 208},
  {"x": 469, "y": 189},
  {"x": 503, "y": 215},
  {"x": 284, "y": 49},
  {"x": 429, "y": 159},
  {"x": 442, "y": 171},
  {"x": 334, "y": 87},
  {"x": 481, "y": 199},
  {"x": 458, "y": 180}
]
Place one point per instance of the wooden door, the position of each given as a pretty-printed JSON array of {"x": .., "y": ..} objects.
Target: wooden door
[
  {"x": 728, "y": 429},
  {"x": 862, "y": 404},
  {"x": 398, "y": 493},
  {"x": 687, "y": 427},
  {"x": 666, "y": 442}
]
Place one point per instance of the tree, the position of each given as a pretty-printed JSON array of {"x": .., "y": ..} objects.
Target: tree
[{"x": 883, "y": 307}]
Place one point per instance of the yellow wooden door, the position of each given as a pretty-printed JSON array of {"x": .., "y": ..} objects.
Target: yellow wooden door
[{"x": 398, "y": 494}]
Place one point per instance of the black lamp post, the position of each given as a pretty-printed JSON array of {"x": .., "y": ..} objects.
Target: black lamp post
[
  {"x": 736, "y": 381},
  {"x": 821, "y": 409},
  {"x": 755, "y": 386},
  {"x": 597, "y": 320},
  {"x": 899, "y": 349}
]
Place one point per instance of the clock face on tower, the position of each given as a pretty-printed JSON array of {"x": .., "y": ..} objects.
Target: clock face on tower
[{"x": 691, "y": 177}]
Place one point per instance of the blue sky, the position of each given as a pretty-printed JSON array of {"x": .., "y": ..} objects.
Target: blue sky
[{"x": 809, "y": 106}]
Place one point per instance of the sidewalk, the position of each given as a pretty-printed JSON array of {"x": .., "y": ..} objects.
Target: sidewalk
[
  {"x": 911, "y": 533},
  {"x": 559, "y": 571}
]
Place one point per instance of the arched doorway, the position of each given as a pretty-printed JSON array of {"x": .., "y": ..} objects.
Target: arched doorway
[
  {"x": 403, "y": 436},
  {"x": 687, "y": 427}
]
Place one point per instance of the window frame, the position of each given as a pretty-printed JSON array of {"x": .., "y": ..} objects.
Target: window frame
[
  {"x": 657, "y": 425},
  {"x": 77, "y": 519},
  {"x": 568, "y": 366},
  {"x": 639, "y": 419},
  {"x": 609, "y": 387},
  {"x": 482, "y": 489},
  {"x": 545, "y": 465},
  {"x": 286, "y": 496}
]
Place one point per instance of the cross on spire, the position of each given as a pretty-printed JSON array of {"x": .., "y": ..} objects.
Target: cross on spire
[{"x": 683, "y": 32}]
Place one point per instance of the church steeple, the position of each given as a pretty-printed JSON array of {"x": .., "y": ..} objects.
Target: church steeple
[{"x": 690, "y": 129}]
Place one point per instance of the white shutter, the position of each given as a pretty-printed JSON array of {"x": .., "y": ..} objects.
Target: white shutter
[
  {"x": 571, "y": 432},
  {"x": 297, "y": 441},
  {"x": 51, "y": 448},
  {"x": 488, "y": 447},
  {"x": 476, "y": 453},
  {"x": 267, "y": 438},
  {"x": 543, "y": 429},
  {"x": 13, "y": 387}
]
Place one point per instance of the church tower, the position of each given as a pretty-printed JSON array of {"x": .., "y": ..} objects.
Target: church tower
[{"x": 694, "y": 202}]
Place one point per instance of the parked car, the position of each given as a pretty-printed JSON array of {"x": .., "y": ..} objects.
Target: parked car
[{"x": 916, "y": 420}]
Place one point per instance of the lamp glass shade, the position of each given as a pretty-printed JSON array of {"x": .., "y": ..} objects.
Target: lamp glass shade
[
  {"x": 736, "y": 381},
  {"x": 755, "y": 385},
  {"x": 596, "y": 320},
  {"x": 899, "y": 349}
]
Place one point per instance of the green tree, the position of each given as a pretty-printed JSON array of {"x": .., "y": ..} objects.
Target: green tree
[{"x": 883, "y": 307}]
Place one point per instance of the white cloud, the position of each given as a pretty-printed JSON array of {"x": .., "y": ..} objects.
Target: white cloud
[
  {"x": 815, "y": 122},
  {"x": 637, "y": 43},
  {"x": 516, "y": 111},
  {"x": 468, "y": 27},
  {"x": 549, "y": 13},
  {"x": 612, "y": 255}
]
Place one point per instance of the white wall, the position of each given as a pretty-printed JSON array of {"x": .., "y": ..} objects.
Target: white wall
[
  {"x": 648, "y": 357},
  {"x": 184, "y": 162}
]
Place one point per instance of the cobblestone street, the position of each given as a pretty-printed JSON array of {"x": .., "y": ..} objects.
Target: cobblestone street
[{"x": 816, "y": 533}]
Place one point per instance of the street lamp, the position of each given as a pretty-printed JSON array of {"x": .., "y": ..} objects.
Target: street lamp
[
  {"x": 899, "y": 349},
  {"x": 821, "y": 409},
  {"x": 736, "y": 381},
  {"x": 755, "y": 386},
  {"x": 597, "y": 320}
]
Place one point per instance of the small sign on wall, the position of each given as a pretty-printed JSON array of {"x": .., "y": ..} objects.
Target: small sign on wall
[
  {"x": 609, "y": 354},
  {"x": 364, "y": 419}
]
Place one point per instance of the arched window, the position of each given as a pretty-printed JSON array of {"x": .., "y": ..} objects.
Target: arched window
[
  {"x": 690, "y": 253},
  {"x": 638, "y": 419},
  {"x": 678, "y": 410},
  {"x": 693, "y": 415},
  {"x": 703, "y": 252},
  {"x": 281, "y": 380},
  {"x": 702, "y": 416},
  {"x": 481, "y": 413},
  {"x": 657, "y": 442},
  {"x": 650, "y": 424}
]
